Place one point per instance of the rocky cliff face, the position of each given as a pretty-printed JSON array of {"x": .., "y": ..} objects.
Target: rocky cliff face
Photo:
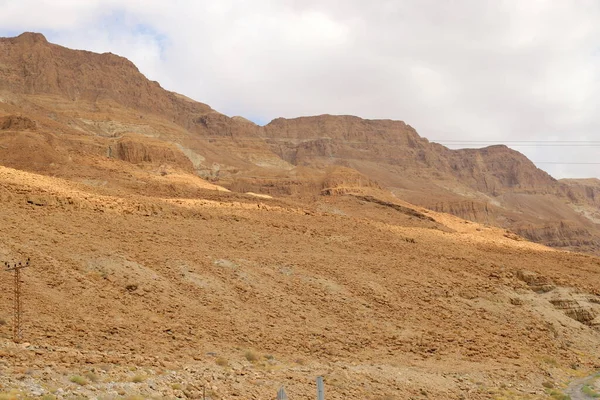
[
  {"x": 582, "y": 191},
  {"x": 31, "y": 65},
  {"x": 82, "y": 108},
  {"x": 346, "y": 140},
  {"x": 495, "y": 169}
]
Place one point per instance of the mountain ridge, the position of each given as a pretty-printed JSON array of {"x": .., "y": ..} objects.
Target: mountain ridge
[{"x": 82, "y": 103}]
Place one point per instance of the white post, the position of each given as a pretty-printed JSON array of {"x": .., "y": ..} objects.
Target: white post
[
  {"x": 281, "y": 395},
  {"x": 320, "y": 388}
]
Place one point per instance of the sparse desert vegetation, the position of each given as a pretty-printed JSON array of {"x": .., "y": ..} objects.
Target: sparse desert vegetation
[
  {"x": 78, "y": 379},
  {"x": 251, "y": 356},
  {"x": 138, "y": 378},
  {"x": 222, "y": 362}
]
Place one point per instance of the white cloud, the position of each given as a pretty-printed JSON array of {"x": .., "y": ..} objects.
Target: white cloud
[{"x": 468, "y": 69}]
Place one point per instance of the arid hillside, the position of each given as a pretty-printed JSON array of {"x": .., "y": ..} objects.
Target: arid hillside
[
  {"x": 78, "y": 109},
  {"x": 175, "y": 249},
  {"x": 245, "y": 293}
]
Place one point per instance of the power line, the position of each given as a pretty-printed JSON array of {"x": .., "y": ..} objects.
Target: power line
[
  {"x": 523, "y": 143},
  {"x": 515, "y": 141},
  {"x": 265, "y": 138},
  {"x": 453, "y": 142},
  {"x": 566, "y": 163},
  {"x": 450, "y": 142},
  {"x": 297, "y": 141}
]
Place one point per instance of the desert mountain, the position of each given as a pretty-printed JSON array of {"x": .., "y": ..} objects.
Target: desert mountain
[
  {"x": 80, "y": 108},
  {"x": 175, "y": 249},
  {"x": 493, "y": 185}
]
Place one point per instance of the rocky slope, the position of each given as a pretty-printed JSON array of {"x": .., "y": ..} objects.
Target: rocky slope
[
  {"x": 156, "y": 274},
  {"x": 154, "y": 297},
  {"x": 81, "y": 108}
]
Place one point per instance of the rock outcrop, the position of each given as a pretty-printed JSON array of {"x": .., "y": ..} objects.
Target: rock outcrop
[
  {"x": 137, "y": 150},
  {"x": 16, "y": 123}
]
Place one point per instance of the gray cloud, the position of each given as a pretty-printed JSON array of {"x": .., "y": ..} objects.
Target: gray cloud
[{"x": 466, "y": 69}]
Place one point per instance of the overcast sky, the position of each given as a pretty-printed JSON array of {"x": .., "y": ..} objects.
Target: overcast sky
[{"x": 494, "y": 70}]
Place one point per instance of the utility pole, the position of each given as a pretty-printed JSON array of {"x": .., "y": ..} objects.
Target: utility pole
[{"x": 17, "y": 307}]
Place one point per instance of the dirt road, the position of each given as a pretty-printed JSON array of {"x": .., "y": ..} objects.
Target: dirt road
[{"x": 575, "y": 388}]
